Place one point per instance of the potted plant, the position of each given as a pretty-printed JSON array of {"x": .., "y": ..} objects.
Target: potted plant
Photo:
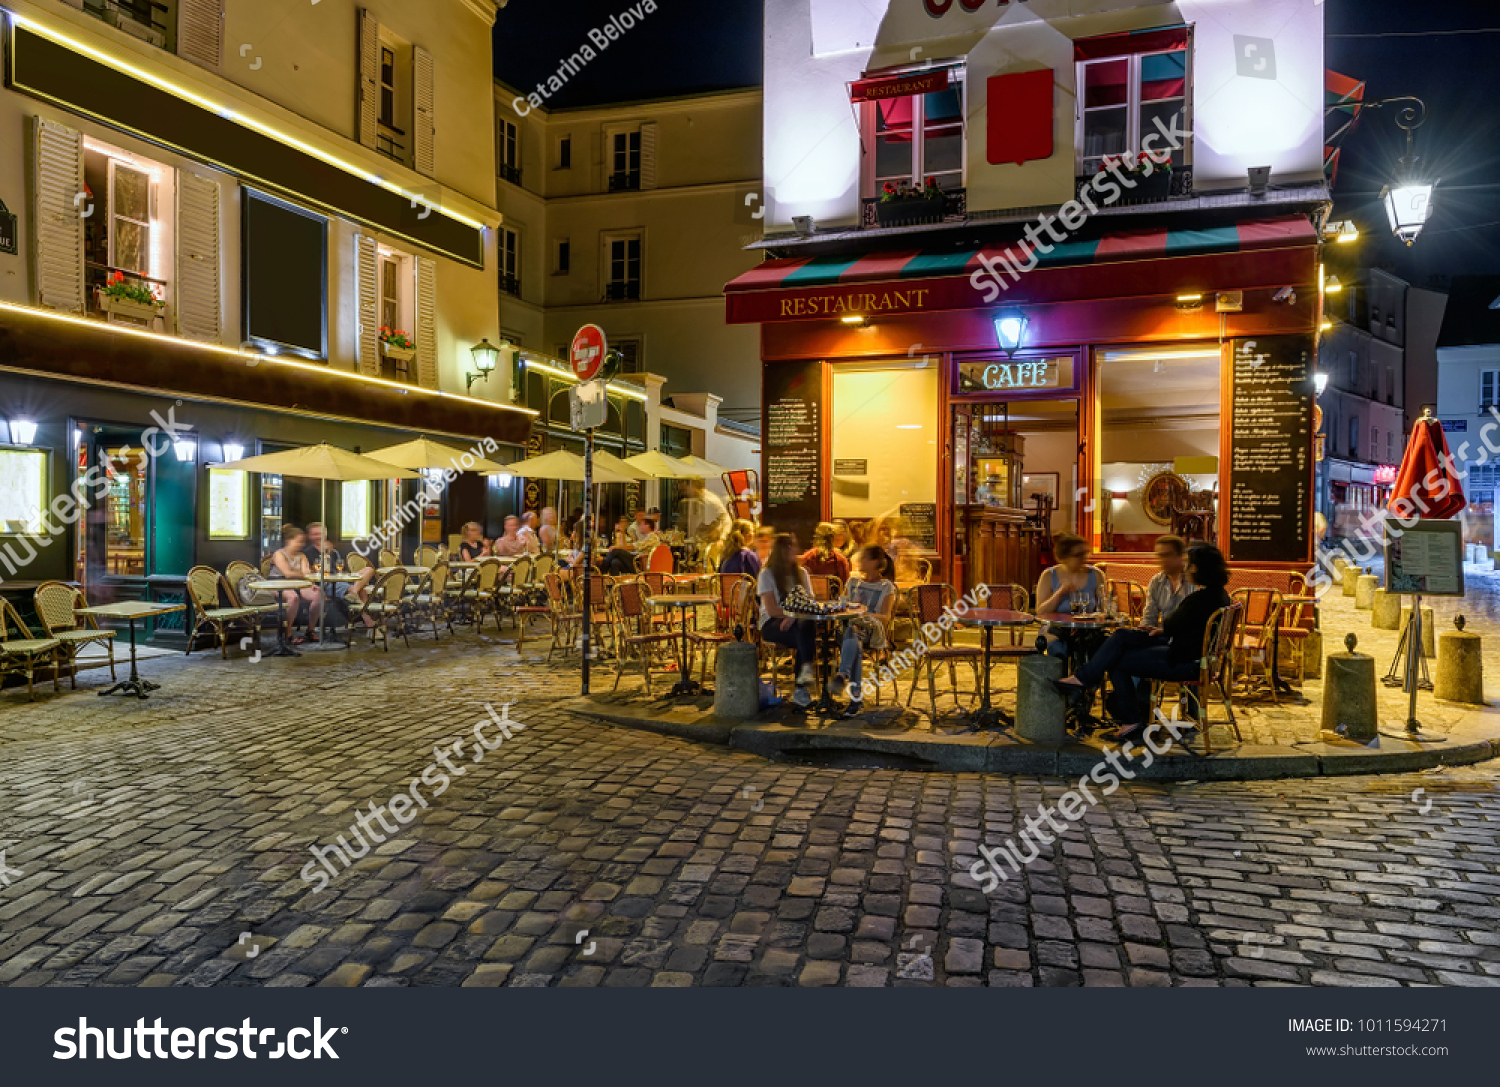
[
  {"x": 132, "y": 299},
  {"x": 1151, "y": 172},
  {"x": 904, "y": 204},
  {"x": 396, "y": 344}
]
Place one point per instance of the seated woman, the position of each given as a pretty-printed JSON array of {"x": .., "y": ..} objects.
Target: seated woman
[
  {"x": 875, "y": 588},
  {"x": 619, "y": 560},
  {"x": 290, "y": 562},
  {"x": 1172, "y": 655},
  {"x": 777, "y": 578},
  {"x": 1057, "y": 585},
  {"x": 473, "y": 546},
  {"x": 824, "y": 559},
  {"x": 739, "y": 550}
]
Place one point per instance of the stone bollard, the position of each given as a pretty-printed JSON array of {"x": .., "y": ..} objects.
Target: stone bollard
[
  {"x": 1469, "y": 555},
  {"x": 1349, "y": 694},
  {"x": 1349, "y": 578},
  {"x": 1385, "y": 610},
  {"x": 736, "y": 681},
  {"x": 1460, "y": 667},
  {"x": 1041, "y": 713},
  {"x": 1312, "y": 656},
  {"x": 1429, "y": 630},
  {"x": 1364, "y": 591}
]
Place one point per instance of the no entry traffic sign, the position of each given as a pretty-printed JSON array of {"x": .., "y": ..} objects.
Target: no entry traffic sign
[{"x": 587, "y": 354}]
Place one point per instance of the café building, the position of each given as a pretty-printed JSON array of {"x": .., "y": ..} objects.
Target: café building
[{"x": 986, "y": 323}]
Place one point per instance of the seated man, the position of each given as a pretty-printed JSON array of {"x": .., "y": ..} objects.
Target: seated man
[
  {"x": 329, "y": 563},
  {"x": 512, "y": 544}
]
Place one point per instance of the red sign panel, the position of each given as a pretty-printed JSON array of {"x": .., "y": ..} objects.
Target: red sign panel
[
  {"x": 1019, "y": 117},
  {"x": 898, "y": 86},
  {"x": 587, "y": 353}
]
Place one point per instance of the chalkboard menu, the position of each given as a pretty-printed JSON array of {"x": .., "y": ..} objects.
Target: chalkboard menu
[
  {"x": 919, "y": 524},
  {"x": 1270, "y": 471},
  {"x": 792, "y": 444}
]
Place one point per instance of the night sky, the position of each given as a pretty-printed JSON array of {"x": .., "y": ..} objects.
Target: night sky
[{"x": 699, "y": 45}]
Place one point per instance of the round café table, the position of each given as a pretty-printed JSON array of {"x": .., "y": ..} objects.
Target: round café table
[
  {"x": 278, "y": 586},
  {"x": 331, "y": 639},
  {"x": 1081, "y": 718},
  {"x": 825, "y": 647},
  {"x": 987, "y": 619},
  {"x": 685, "y": 684},
  {"x": 130, "y": 611}
]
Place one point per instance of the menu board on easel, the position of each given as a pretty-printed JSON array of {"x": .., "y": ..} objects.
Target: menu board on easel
[
  {"x": 793, "y": 445},
  {"x": 1270, "y": 468},
  {"x": 1424, "y": 557}
]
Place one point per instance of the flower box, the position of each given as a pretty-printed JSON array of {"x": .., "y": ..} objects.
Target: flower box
[
  {"x": 391, "y": 351},
  {"x": 904, "y": 211},
  {"x": 123, "y": 308}
]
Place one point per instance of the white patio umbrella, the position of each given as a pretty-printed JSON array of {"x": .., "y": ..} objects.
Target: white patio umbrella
[
  {"x": 426, "y": 453},
  {"x": 662, "y": 466},
  {"x": 706, "y": 469}
]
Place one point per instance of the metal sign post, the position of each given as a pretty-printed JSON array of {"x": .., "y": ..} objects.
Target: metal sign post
[
  {"x": 589, "y": 406},
  {"x": 1423, "y": 557},
  {"x": 588, "y": 549}
]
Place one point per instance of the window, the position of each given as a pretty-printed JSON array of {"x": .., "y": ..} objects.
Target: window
[
  {"x": 354, "y": 509},
  {"x": 630, "y": 355},
  {"x": 886, "y": 416},
  {"x": 937, "y": 122},
  {"x": 284, "y": 253},
  {"x": 1354, "y": 435},
  {"x": 1374, "y": 442},
  {"x": 565, "y": 153},
  {"x": 1488, "y": 382},
  {"x": 141, "y": 19},
  {"x": 562, "y": 257},
  {"x": 1127, "y": 98},
  {"x": 509, "y": 146},
  {"x": 622, "y": 264},
  {"x": 625, "y": 160},
  {"x": 676, "y": 441},
  {"x": 126, "y": 233},
  {"x": 23, "y": 490},
  {"x": 390, "y": 136},
  {"x": 1353, "y": 369},
  {"x": 228, "y": 505},
  {"x": 1390, "y": 447},
  {"x": 510, "y": 261},
  {"x": 390, "y": 292}
]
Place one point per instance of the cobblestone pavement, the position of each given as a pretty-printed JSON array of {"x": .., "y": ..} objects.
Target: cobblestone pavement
[{"x": 160, "y": 843}]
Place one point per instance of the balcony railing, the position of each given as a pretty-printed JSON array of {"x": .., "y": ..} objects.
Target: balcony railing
[
  {"x": 628, "y": 291},
  {"x": 510, "y": 173},
  {"x": 953, "y": 208},
  {"x": 625, "y": 181},
  {"x": 387, "y": 144},
  {"x": 1156, "y": 189},
  {"x": 510, "y": 284}
]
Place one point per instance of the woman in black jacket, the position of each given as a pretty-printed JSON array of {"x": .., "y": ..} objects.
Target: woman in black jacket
[{"x": 1172, "y": 655}]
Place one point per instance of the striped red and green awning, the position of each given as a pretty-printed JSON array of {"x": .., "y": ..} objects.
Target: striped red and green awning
[{"x": 1127, "y": 262}]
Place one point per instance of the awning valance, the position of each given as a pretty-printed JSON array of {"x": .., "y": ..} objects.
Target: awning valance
[{"x": 1270, "y": 252}]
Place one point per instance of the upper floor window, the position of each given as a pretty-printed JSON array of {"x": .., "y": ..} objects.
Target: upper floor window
[
  {"x": 625, "y": 160},
  {"x": 1390, "y": 447},
  {"x": 143, "y": 19},
  {"x": 509, "y": 146},
  {"x": 630, "y": 355},
  {"x": 1374, "y": 442},
  {"x": 1354, "y": 435},
  {"x": 919, "y": 136},
  {"x": 565, "y": 153},
  {"x": 391, "y": 138},
  {"x": 1132, "y": 86},
  {"x": 562, "y": 257},
  {"x": 396, "y": 286},
  {"x": 126, "y": 237},
  {"x": 622, "y": 267},
  {"x": 510, "y": 261},
  {"x": 1489, "y": 380}
]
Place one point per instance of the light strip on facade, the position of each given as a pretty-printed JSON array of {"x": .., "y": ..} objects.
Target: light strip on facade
[
  {"x": 1143, "y": 354},
  {"x": 252, "y": 358},
  {"x": 623, "y": 390},
  {"x": 228, "y": 114}
]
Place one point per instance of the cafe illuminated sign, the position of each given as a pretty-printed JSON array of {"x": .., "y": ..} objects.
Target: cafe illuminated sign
[{"x": 1031, "y": 374}]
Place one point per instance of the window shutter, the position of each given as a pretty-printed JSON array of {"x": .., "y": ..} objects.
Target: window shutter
[
  {"x": 427, "y": 368},
  {"x": 422, "y": 118},
  {"x": 200, "y": 32},
  {"x": 367, "y": 267},
  {"x": 648, "y": 155},
  {"x": 198, "y": 298},
  {"x": 369, "y": 76},
  {"x": 58, "y": 222}
]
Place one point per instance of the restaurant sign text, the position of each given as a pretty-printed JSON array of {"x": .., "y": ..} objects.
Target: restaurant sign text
[{"x": 1025, "y": 374}]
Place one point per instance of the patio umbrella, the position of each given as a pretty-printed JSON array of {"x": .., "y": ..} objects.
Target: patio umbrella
[
  {"x": 706, "y": 469},
  {"x": 562, "y": 464},
  {"x": 321, "y": 462},
  {"x": 1427, "y": 458},
  {"x": 425, "y": 453},
  {"x": 661, "y": 466},
  {"x": 618, "y": 466}
]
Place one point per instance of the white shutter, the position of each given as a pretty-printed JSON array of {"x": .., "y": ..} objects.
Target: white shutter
[
  {"x": 200, "y": 32},
  {"x": 57, "y": 207},
  {"x": 367, "y": 269},
  {"x": 198, "y": 298},
  {"x": 369, "y": 76},
  {"x": 427, "y": 366},
  {"x": 648, "y": 155},
  {"x": 422, "y": 112}
]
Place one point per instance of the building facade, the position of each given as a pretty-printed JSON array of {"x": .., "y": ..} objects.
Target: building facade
[
  {"x": 262, "y": 240},
  {"x": 1468, "y": 396},
  {"x": 1033, "y": 270}
]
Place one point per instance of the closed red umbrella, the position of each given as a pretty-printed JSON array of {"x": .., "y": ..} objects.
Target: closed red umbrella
[{"x": 1427, "y": 485}]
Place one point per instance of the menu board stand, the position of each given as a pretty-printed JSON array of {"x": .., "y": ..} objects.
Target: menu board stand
[
  {"x": 1422, "y": 557},
  {"x": 792, "y": 447},
  {"x": 1270, "y": 432}
]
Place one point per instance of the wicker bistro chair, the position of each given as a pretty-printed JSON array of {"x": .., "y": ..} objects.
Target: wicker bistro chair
[
  {"x": 559, "y": 611},
  {"x": 430, "y": 602},
  {"x": 203, "y": 598},
  {"x": 55, "y": 602},
  {"x": 21, "y": 650},
  {"x": 1255, "y": 643},
  {"x": 514, "y": 587},
  {"x": 480, "y": 593},
  {"x": 1298, "y": 621},
  {"x": 1130, "y": 599},
  {"x": 265, "y": 566},
  {"x": 1215, "y": 668},
  {"x": 736, "y": 608},
  {"x": 926, "y": 604},
  {"x": 388, "y": 558},
  {"x": 427, "y": 555},
  {"x": 356, "y": 561},
  {"x": 387, "y": 603},
  {"x": 635, "y": 636}
]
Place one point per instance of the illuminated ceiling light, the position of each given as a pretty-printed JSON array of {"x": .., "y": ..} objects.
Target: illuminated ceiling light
[
  {"x": 22, "y": 431},
  {"x": 233, "y": 451},
  {"x": 908, "y": 426},
  {"x": 1331, "y": 285},
  {"x": 1010, "y": 330},
  {"x": 854, "y": 319},
  {"x": 185, "y": 448},
  {"x": 1190, "y": 300}
]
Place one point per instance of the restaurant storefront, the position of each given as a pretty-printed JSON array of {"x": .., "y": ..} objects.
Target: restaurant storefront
[{"x": 1162, "y": 382}]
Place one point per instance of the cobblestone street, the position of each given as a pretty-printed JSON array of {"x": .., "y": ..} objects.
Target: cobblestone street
[{"x": 160, "y": 844}]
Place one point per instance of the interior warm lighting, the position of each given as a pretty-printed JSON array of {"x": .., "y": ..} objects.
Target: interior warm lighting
[
  {"x": 154, "y": 78},
  {"x": 908, "y": 426},
  {"x": 1189, "y": 299},
  {"x": 22, "y": 431},
  {"x": 253, "y": 358},
  {"x": 854, "y": 319}
]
